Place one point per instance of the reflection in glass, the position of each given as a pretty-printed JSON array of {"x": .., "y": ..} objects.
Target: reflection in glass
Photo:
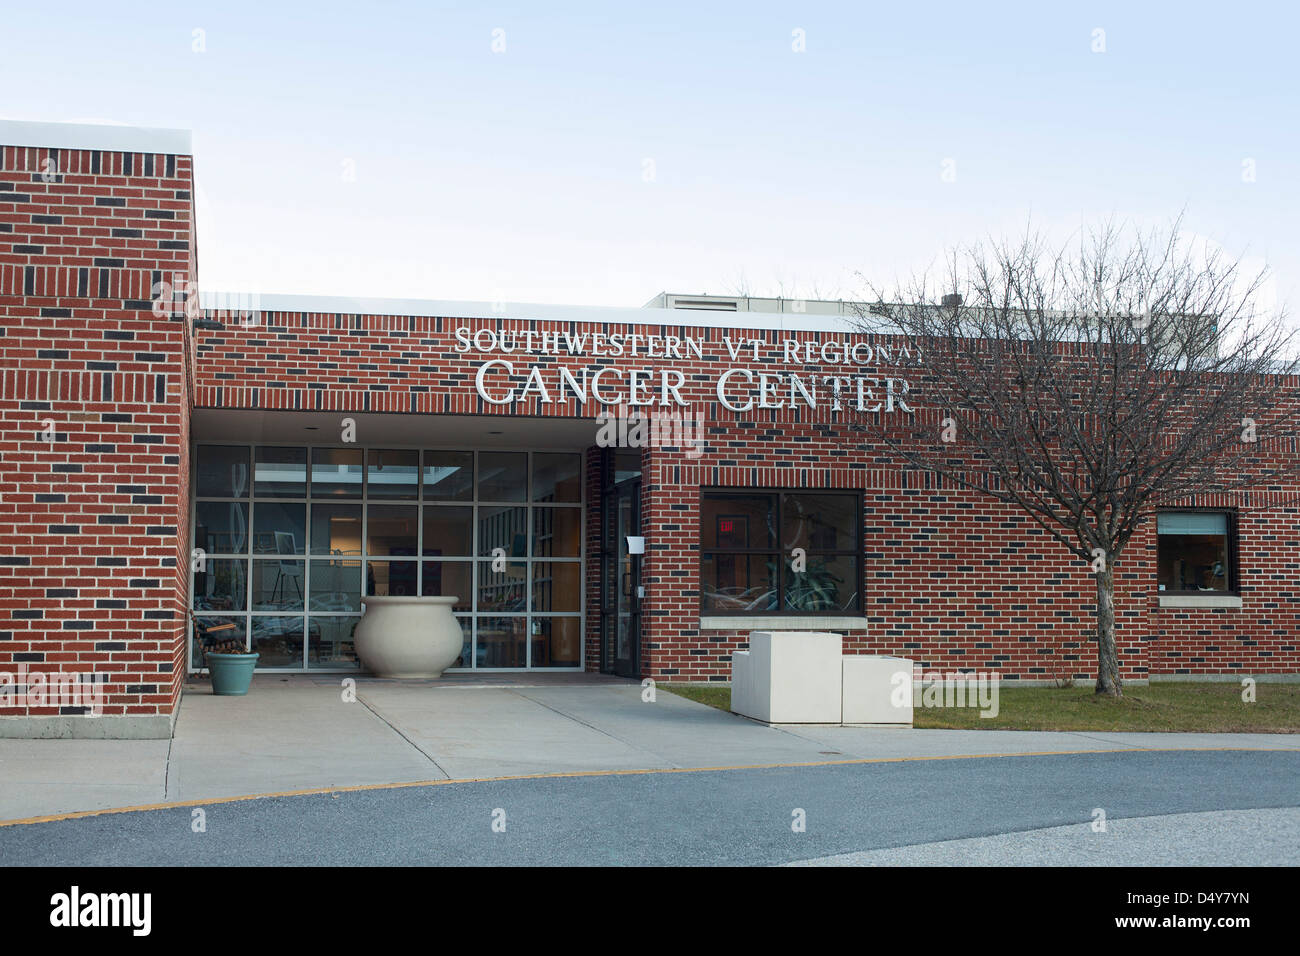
[
  {"x": 426, "y": 532},
  {"x": 330, "y": 642},
  {"x": 336, "y": 472},
  {"x": 392, "y": 474},
  {"x": 335, "y": 585},
  {"x": 335, "y": 528},
  {"x": 503, "y": 590},
  {"x": 391, "y": 529},
  {"x": 557, "y": 532},
  {"x": 279, "y": 640},
  {"x": 221, "y": 527},
  {"x": 1192, "y": 551},
  {"x": 502, "y": 641},
  {"x": 738, "y": 521},
  {"x": 739, "y": 583},
  {"x": 819, "y": 522},
  {"x": 557, "y": 586},
  {"x": 448, "y": 475},
  {"x": 828, "y": 583},
  {"x": 391, "y": 577},
  {"x": 557, "y": 477},
  {"x": 449, "y": 579},
  {"x": 448, "y": 531},
  {"x": 278, "y": 585},
  {"x": 503, "y": 475},
  {"x": 221, "y": 471},
  {"x": 237, "y": 633},
  {"x": 557, "y": 641},
  {"x": 221, "y": 585},
  {"x": 627, "y": 465},
  {"x": 280, "y": 473},
  {"x": 466, "y": 658},
  {"x": 504, "y": 527},
  {"x": 279, "y": 527}
]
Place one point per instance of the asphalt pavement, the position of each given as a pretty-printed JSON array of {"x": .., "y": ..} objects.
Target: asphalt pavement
[{"x": 1034, "y": 809}]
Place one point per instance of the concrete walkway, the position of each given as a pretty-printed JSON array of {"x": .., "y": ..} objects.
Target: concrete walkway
[{"x": 299, "y": 733}]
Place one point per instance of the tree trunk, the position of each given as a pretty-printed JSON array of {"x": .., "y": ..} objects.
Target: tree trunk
[{"x": 1108, "y": 681}]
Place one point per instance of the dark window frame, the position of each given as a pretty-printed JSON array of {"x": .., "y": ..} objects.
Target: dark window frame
[
  {"x": 857, "y": 551},
  {"x": 1231, "y": 547}
]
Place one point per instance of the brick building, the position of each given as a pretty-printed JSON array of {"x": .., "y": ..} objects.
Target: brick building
[{"x": 270, "y": 462}]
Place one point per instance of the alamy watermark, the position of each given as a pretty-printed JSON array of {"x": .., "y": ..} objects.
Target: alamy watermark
[
  {"x": 662, "y": 430},
  {"x": 27, "y": 688},
  {"x": 954, "y": 689}
]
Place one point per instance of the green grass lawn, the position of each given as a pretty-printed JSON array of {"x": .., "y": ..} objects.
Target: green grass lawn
[{"x": 1207, "y": 707}]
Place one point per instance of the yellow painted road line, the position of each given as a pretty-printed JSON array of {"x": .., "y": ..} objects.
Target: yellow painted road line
[{"x": 318, "y": 791}]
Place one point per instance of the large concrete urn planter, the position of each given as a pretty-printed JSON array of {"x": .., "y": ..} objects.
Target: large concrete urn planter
[{"x": 408, "y": 636}]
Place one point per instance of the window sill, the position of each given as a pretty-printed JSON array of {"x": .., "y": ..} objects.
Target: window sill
[
  {"x": 1200, "y": 600},
  {"x": 772, "y": 622}
]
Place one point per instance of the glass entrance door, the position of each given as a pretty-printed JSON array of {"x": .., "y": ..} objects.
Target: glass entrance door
[{"x": 627, "y": 641}]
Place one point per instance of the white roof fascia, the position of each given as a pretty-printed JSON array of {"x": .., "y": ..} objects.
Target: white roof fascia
[
  {"x": 117, "y": 139},
  {"x": 534, "y": 312}
]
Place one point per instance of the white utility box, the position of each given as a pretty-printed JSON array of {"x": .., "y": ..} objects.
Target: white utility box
[
  {"x": 804, "y": 677},
  {"x": 877, "y": 690},
  {"x": 788, "y": 677}
]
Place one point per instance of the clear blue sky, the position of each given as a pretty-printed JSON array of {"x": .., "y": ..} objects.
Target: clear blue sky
[{"x": 522, "y": 174}]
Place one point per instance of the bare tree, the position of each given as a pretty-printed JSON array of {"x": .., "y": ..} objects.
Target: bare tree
[{"x": 1090, "y": 385}]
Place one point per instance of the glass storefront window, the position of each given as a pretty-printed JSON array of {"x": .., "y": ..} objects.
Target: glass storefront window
[
  {"x": 221, "y": 527},
  {"x": 557, "y": 477},
  {"x": 336, "y": 473},
  {"x": 335, "y": 528},
  {"x": 502, "y": 476},
  {"x": 278, "y": 585},
  {"x": 449, "y": 579},
  {"x": 557, "y": 532},
  {"x": 279, "y": 640},
  {"x": 335, "y": 586},
  {"x": 280, "y": 473},
  {"x": 504, "y": 590},
  {"x": 448, "y": 476},
  {"x": 466, "y": 658},
  {"x": 221, "y": 585},
  {"x": 330, "y": 642},
  {"x": 294, "y": 539},
  {"x": 238, "y": 633},
  {"x": 503, "y": 641},
  {"x": 448, "y": 531},
  {"x": 279, "y": 527},
  {"x": 557, "y": 586},
  {"x": 557, "y": 641},
  {"x": 392, "y": 474},
  {"x": 391, "y": 529},
  {"x": 384, "y": 578},
  {"x": 502, "y": 527},
  {"x": 221, "y": 471}
]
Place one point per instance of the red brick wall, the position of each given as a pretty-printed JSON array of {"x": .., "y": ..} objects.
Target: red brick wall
[
  {"x": 94, "y": 526},
  {"x": 952, "y": 579}
]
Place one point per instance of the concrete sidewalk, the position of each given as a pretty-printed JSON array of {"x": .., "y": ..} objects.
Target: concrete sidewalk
[{"x": 298, "y": 733}]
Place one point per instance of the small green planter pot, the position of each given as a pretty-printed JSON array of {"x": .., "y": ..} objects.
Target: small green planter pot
[{"x": 231, "y": 673}]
